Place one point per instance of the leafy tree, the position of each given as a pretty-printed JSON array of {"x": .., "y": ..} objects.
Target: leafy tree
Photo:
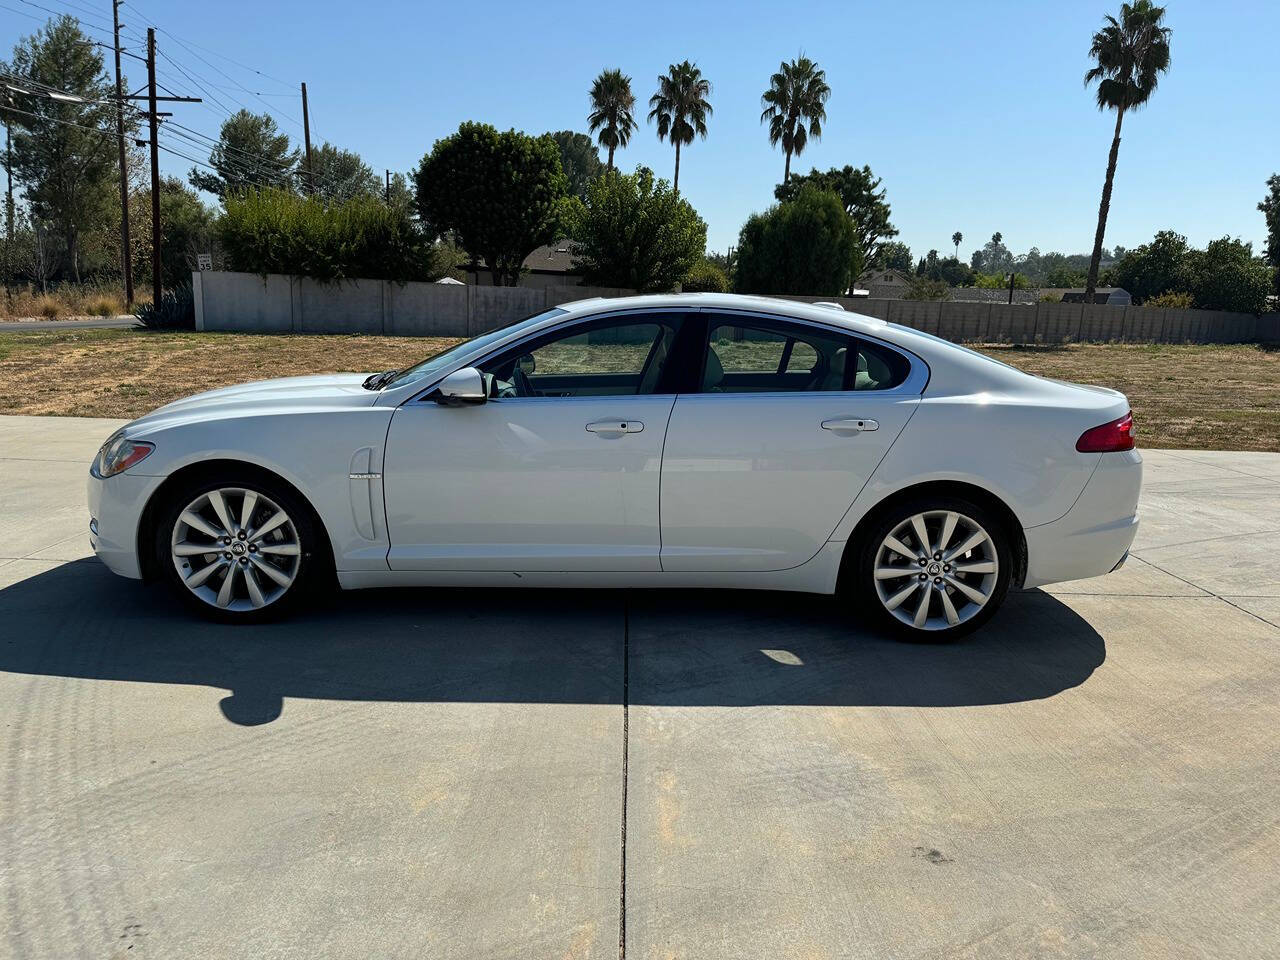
[
  {"x": 578, "y": 159},
  {"x": 706, "y": 277},
  {"x": 1227, "y": 276},
  {"x": 1270, "y": 207},
  {"x": 612, "y": 103},
  {"x": 1000, "y": 281},
  {"x": 726, "y": 263},
  {"x": 864, "y": 203},
  {"x": 400, "y": 193},
  {"x": 187, "y": 228},
  {"x": 64, "y": 150},
  {"x": 803, "y": 245},
  {"x": 927, "y": 288},
  {"x": 1154, "y": 268},
  {"x": 501, "y": 194},
  {"x": 1066, "y": 277},
  {"x": 1129, "y": 55},
  {"x": 891, "y": 255},
  {"x": 250, "y": 152},
  {"x": 680, "y": 108},
  {"x": 957, "y": 238},
  {"x": 994, "y": 257},
  {"x": 798, "y": 92},
  {"x": 633, "y": 231},
  {"x": 338, "y": 175}
]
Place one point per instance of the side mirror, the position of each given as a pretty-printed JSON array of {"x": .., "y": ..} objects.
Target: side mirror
[{"x": 461, "y": 387}]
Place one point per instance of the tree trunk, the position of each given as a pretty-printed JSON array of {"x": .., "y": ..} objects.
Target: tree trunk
[
  {"x": 1103, "y": 208},
  {"x": 611, "y": 158},
  {"x": 786, "y": 171},
  {"x": 675, "y": 186},
  {"x": 73, "y": 252}
]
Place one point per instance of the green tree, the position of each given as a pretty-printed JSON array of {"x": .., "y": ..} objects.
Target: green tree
[
  {"x": 797, "y": 93},
  {"x": 994, "y": 257},
  {"x": 500, "y": 193},
  {"x": 579, "y": 160},
  {"x": 633, "y": 231},
  {"x": 187, "y": 228},
  {"x": 706, "y": 277},
  {"x": 957, "y": 238},
  {"x": 64, "y": 148},
  {"x": 1155, "y": 268},
  {"x": 890, "y": 255},
  {"x": 1066, "y": 277},
  {"x": 927, "y": 288},
  {"x": 800, "y": 246},
  {"x": 338, "y": 175},
  {"x": 680, "y": 108},
  {"x": 1270, "y": 207},
  {"x": 612, "y": 103},
  {"x": 864, "y": 202},
  {"x": 1226, "y": 276},
  {"x": 1129, "y": 55},
  {"x": 250, "y": 152}
]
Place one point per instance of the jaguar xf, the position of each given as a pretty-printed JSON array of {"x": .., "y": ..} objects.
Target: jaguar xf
[{"x": 697, "y": 440}]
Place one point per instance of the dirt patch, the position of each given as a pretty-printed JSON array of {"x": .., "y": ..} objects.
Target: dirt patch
[{"x": 1206, "y": 397}]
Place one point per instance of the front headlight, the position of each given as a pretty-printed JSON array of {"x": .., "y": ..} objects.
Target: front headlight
[{"x": 119, "y": 454}]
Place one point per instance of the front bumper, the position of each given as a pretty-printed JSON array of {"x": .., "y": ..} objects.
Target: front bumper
[
  {"x": 1095, "y": 535},
  {"x": 115, "y": 511}
]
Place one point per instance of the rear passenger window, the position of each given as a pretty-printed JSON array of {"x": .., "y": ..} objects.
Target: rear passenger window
[{"x": 744, "y": 356}]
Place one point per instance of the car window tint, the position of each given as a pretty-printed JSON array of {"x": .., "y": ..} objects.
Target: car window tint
[{"x": 613, "y": 358}]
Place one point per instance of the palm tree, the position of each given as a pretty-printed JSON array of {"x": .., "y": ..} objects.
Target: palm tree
[
  {"x": 1130, "y": 54},
  {"x": 957, "y": 238},
  {"x": 681, "y": 108},
  {"x": 797, "y": 92},
  {"x": 611, "y": 106}
]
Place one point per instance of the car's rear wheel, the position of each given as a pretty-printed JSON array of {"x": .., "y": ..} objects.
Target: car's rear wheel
[
  {"x": 237, "y": 549},
  {"x": 934, "y": 568}
]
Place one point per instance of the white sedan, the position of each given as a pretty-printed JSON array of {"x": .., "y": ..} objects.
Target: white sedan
[{"x": 667, "y": 441}]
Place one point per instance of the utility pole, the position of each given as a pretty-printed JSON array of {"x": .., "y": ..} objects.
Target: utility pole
[
  {"x": 388, "y": 188},
  {"x": 8, "y": 208},
  {"x": 1012, "y": 275},
  {"x": 152, "y": 118},
  {"x": 306, "y": 135},
  {"x": 126, "y": 254}
]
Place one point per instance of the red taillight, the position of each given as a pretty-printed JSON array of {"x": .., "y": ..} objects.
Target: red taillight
[{"x": 1108, "y": 438}]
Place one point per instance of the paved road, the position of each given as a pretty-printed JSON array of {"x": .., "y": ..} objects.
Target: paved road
[
  {"x": 441, "y": 773},
  {"x": 93, "y": 323}
]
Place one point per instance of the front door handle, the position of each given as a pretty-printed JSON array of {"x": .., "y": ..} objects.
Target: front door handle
[
  {"x": 615, "y": 428},
  {"x": 850, "y": 425}
]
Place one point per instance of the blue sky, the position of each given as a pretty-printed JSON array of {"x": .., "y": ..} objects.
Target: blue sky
[{"x": 974, "y": 114}]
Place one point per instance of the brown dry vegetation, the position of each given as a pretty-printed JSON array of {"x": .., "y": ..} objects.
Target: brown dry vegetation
[
  {"x": 63, "y": 303},
  {"x": 1211, "y": 397}
]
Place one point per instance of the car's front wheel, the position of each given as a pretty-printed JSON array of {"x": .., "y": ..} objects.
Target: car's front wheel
[
  {"x": 934, "y": 568},
  {"x": 237, "y": 549}
]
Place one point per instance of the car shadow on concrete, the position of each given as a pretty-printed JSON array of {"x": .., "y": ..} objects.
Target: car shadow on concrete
[{"x": 679, "y": 648}]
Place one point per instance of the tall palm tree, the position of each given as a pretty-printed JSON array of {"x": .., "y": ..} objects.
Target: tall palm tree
[
  {"x": 611, "y": 106},
  {"x": 1130, "y": 54},
  {"x": 797, "y": 92},
  {"x": 681, "y": 108},
  {"x": 957, "y": 238}
]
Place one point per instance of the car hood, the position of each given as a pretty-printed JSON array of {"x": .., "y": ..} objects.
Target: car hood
[{"x": 323, "y": 391}]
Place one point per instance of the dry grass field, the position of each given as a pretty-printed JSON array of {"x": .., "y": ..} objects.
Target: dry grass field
[{"x": 1210, "y": 397}]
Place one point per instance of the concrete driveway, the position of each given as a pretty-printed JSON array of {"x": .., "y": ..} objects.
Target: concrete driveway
[{"x": 527, "y": 775}]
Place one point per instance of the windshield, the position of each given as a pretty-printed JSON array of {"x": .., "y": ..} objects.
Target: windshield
[{"x": 474, "y": 346}]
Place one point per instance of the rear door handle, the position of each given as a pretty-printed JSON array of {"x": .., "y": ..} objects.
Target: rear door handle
[
  {"x": 615, "y": 427},
  {"x": 850, "y": 425}
]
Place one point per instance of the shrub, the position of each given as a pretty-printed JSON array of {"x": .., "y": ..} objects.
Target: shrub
[
  {"x": 1181, "y": 301},
  {"x": 104, "y": 306},
  {"x": 803, "y": 246},
  {"x": 273, "y": 231},
  {"x": 1050, "y": 298},
  {"x": 922, "y": 288},
  {"x": 706, "y": 277},
  {"x": 48, "y": 306},
  {"x": 176, "y": 311}
]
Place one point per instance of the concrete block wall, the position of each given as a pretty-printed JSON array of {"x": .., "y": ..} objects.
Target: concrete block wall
[{"x": 278, "y": 304}]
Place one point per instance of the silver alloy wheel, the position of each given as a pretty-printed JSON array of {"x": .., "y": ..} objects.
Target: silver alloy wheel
[
  {"x": 936, "y": 570},
  {"x": 236, "y": 549}
]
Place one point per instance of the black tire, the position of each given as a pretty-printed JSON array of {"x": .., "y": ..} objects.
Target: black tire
[
  {"x": 314, "y": 563},
  {"x": 861, "y": 586}
]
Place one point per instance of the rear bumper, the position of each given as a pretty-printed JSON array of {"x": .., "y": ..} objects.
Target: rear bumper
[
  {"x": 1095, "y": 535},
  {"x": 115, "y": 510}
]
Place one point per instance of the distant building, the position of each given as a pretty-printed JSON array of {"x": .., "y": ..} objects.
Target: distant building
[
  {"x": 884, "y": 284},
  {"x": 548, "y": 266},
  {"x": 1115, "y": 296}
]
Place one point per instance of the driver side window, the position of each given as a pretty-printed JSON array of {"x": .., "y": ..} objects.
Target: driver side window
[{"x": 619, "y": 357}]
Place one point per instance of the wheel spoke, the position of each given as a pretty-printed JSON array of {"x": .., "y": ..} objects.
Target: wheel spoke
[
  {"x": 897, "y": 546},
  {"x": 280, "y": 549},
  {"x": 978, "y": 566},
  {"x": 188, "y": 549},
  {"x": 204, "y": 573},
  {"x": 922, "y": 611},
  {"x": 225, "y": 594},
  {"x": 977, "y": 596},
  {"x": 977, "y": 537},
  {"x": 280, "y": 577},
  {"x": 220, "y": 508},
  {"x": 255, "y": 592},
  {"x": 894, "y": 573},
  {"x": 275, "y": 520},
  {"x": 949, "y": 608},
  {"x": 894, "y": 602},
  {"x": 921, "y": 532},
  {"x": 197, "y": 522},
  {"x": 948, "y": 528},
  {"x": 247, "y": 506}
]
